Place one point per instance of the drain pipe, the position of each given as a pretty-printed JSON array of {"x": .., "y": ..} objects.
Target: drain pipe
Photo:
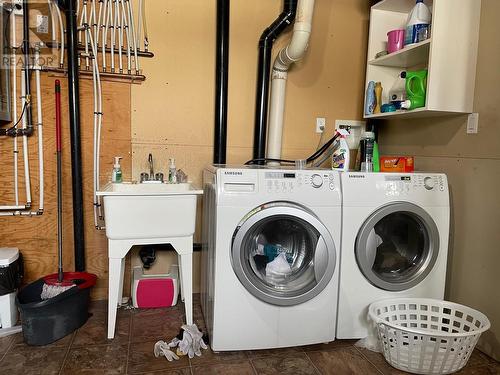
[
  {"x": 293, "y": 52},
  {"x": 221, "y": 81},
  {"x": 74, "y": 118},
  {"x": 266, "y": 41}
]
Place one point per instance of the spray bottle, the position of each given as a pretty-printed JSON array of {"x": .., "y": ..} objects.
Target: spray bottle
[
  {"x": 172, "y": 172},
  {"x": 341, "y": 154},
  {"x": 116, "y": 175}
]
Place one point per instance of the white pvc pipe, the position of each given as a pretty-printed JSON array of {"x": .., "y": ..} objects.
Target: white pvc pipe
[
  {"x": 25, "y": 139},
  {"x": 113, "y": 33},
  {"x": 52, "y": 20},
  {"x": 97, "y": 128},
  {"x": 293, "y": 52},
  {"x": 61, "y": 32},
  {"x": 38, "y": 68},
  {"x": 126, "y": 30},
  {"x": 139, "y": 23},
  {"x": 107, "y": 8},
  {"x": 14, "y": 107},
  {"x": 97, "y": 29},
  {"x": 133, "y": 35},
  {"x": 119, "y": 30},
  {"x": 145, "y": 26},
  {"x": 86, "y": 36},
  {"x": 276, "y": 115}
]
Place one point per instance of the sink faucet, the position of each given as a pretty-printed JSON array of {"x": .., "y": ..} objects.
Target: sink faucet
[{"x": 151, "y": 167}]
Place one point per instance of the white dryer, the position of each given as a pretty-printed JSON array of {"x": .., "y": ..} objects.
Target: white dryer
[
  {"x": 395, "y": 233},
  {"x": 270, "y": 256}
]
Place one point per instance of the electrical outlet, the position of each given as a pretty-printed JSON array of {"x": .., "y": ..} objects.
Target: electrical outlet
[
  {"x": 350, "y": 124},
  {"x": 320, "y": 124},
  {"x": 473, "y": 123}
]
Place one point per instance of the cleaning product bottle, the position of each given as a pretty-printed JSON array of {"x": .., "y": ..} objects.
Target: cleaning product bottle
[
  {"x": 367, "y": 143},
  {"x": 397, "y": 93},
  {"x": 378, "y": 97},
  {"x": 370, "y": 98},
  {"x": 116, "y": 175},
  {"x": 172, "y": 172},
  {"x": 341, "y": 154},
  {"x": 376, "y": 157},
  {"x": 416, "y": 87},
  {"x": 419, "y": 18}
]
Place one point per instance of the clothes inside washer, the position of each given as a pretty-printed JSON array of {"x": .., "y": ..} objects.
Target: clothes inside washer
[{"x": 401, "y": 247}]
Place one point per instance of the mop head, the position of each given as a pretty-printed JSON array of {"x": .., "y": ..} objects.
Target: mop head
[{"x": 52, "y": 290}]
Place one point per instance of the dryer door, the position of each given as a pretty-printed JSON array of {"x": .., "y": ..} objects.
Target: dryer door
[
  {"x": 397, "y": 246},
  {"x": 282, "y": 254}
]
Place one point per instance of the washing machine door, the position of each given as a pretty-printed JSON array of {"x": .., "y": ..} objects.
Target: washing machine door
[
  {"x": 283, "y": 254},
  {"x": 397, "y": 246}
]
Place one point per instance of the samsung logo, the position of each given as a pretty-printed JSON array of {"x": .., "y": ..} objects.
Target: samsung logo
[
  {"x": 233, "y": 173},
  {"x": 357, "y": 176}
]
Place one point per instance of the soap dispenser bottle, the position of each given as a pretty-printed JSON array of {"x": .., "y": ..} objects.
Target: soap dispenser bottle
[
  {"x": 172, "y": 172},
  {"x": 116, "y": 176}
]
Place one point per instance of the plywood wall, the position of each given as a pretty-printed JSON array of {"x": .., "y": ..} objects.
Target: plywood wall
[
  {"x": 472, "y": 163},
  {"x": 36, "y": 237}
]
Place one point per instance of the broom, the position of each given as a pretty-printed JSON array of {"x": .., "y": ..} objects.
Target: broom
[{"x": 56, "y": 285}]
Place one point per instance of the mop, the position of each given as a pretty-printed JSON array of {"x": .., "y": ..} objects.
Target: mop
[{"x": 56, "y": 285}]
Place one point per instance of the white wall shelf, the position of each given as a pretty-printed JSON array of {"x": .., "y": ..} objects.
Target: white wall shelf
[
  {"x": 449, "y": 56},
  {"x": 412, "y": 55}
]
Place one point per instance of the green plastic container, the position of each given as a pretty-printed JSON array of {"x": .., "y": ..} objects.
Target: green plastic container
[{"x": 416, "y": 87}]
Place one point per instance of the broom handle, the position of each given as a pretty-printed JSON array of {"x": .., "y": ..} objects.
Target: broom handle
[{"x": 60, "y": 275}]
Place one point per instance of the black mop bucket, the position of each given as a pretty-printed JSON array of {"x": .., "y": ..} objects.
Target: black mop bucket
[{"x": 46, "y": 321}]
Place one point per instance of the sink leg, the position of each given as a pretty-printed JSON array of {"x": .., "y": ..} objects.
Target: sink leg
[
  {"x": 122, "y": 274},
  {"x": 187, "y": 285},
  {"x": 115, "y": 276},
  {"x": 179, "y": 259}
]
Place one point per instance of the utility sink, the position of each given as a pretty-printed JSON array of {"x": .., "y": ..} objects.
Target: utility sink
[{"x": 149, "y": 210}]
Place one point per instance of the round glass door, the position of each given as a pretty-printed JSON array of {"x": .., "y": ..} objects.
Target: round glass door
[
  {"x": 283, "y": 254},
  {"x": 397, "y": 246}
]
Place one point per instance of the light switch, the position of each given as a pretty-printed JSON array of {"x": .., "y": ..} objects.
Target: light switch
[{"x": 473, "y": 123}]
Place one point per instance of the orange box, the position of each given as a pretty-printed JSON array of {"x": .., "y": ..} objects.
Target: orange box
[{"x": 397, "y": 164}]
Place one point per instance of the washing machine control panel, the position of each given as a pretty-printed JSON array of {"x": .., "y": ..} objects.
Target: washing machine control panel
[{"x": 299, "y": 180}]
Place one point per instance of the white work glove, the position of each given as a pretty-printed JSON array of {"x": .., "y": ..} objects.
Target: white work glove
[
  {"x": 196, "y": 337},
  {"x": 162, "y": 348},
  {"x": 186, "y": 345}
]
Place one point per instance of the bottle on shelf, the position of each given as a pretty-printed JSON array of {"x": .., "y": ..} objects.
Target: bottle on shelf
[
  {"x": 378, "y": 97},
  {"x": 370, "y": 98},
  {"x": 418, "y": 24},
  {"x": 416, "y": 87},
  {"x": 397, "y": 93}
]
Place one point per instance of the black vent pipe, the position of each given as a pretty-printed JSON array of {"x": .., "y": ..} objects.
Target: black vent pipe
[
  {"x": 221, "y": 79},
  {"x": 69, "y": 7},
  {"x": 263, "y": 75}
]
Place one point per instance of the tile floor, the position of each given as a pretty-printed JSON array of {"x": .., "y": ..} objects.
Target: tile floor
[{"x": 87, "y": 351}]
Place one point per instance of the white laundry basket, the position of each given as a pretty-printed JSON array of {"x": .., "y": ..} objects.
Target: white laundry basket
[{"x": 427, "y": 336}]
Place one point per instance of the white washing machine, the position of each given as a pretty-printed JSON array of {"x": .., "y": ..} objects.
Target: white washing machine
[
  {"x": 270, "y": 256},
  {"x": 395, "y": 233}
]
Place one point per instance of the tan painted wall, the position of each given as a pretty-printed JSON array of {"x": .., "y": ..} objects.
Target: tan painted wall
[
  {"x": 472, "y": 163},
  {"x": 173, "y": 111}
]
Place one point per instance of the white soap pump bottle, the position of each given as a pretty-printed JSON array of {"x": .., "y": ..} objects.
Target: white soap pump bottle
[
  {"x": 116, "y": 176},
  {"x": 172, "y": 172}
]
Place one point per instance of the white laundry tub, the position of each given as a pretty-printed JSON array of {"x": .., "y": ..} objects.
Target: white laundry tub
[{"x": 135, "y": 211}]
